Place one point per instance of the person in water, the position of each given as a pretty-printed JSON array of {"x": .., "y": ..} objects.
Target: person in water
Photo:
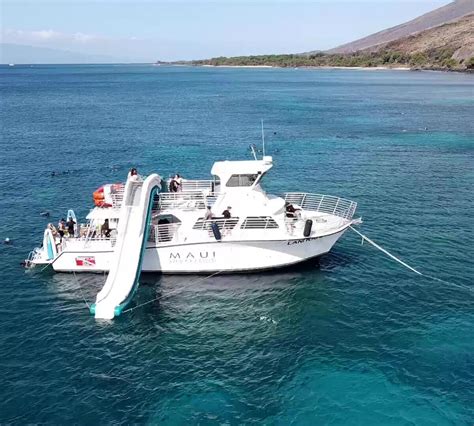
[
  {"x": 70, "y": 227},
  {"x": 226, "y": 213}
]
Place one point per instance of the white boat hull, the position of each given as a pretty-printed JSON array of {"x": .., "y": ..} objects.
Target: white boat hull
[
  {"x": 207, "y": 257},
  {"x": 226, "y": 225}
]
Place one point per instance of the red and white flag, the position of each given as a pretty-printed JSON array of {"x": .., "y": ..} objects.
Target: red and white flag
[{"x": 85, "y": 261}]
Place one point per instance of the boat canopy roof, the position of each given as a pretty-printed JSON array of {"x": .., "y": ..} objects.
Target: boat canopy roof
[
  {"x": 103, "y": 213},
  {"x": 225, "y": 170}
]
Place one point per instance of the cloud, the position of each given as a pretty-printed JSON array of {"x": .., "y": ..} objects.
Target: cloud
[
  {"x": 43, "y": 34},
  {"x": 35, "y": 37},
  {"x": 83, "y": 38},
  {"x": 127, "y": 48},
  {"x": 49, "y": 37}
]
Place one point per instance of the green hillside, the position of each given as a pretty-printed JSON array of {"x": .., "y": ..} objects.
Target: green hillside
[{"x": 449, "y": 46}]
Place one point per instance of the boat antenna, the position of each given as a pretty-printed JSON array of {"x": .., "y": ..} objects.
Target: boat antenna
[
  {"x": 263, "y": 140},
  {"x": 254, "y": 150}
]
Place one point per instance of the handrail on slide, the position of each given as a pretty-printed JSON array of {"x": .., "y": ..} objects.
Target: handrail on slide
[{"x": 126, "y": 264}]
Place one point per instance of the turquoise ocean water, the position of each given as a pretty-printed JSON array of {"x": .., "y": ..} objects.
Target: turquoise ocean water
[{"x": 357, "y": 340}]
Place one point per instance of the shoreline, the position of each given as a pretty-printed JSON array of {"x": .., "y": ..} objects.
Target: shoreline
[
  {"x": 365, "y": 68},
  {"x": 327, "y": 67},
  {"x": 379, "y": 68},
  {"x": 236, "y": 66}
]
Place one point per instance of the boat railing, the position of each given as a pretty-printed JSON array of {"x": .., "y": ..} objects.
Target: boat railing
[
  {"x": 259, "y": 222},
  {"x": 322, "y": 204},
  {"x": 236, "y": 228},
  {"x": 197, "y": 185},
  {"x": 117, "y": 195},
  {"x": 112, "y": 239},
  {"x": 211, "y": 198},
  {"x": 223, "y": 224},
  {"x": 185, "y": 200},
  {"x": 87, "y": 233},
  {"x": 195, "y": 194},
  {"x": 164, "y": 232},
  {"x": 33, "y": 256}
]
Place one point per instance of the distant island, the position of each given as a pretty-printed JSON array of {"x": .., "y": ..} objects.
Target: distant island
[{"x": 442, "y": 39}]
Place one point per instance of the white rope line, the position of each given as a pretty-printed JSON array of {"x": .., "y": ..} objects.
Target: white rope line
[
  {"x": 171, "y": 293},
  {"x": 44, "y": 267},
  {"x": 464, "y": 287},
  {"x": 405, "y": 264},
  {"x": 80, "y": 288},
  {"x": 364, "y": 238},
  {"x": 386, "y": 252}
]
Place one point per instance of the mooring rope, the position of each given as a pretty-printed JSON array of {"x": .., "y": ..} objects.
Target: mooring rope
[
  {"x": 47, "y": 265},
  {"x": 406, "y": 264},
  {"x": 385, "y": 251},
  {"x": 364, "y": 238},
  {"x": 80, "y": 288},
  {"x": 171, "y": 293}
]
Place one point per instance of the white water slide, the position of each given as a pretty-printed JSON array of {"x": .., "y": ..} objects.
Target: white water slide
[{"x": 133, "y": 228}]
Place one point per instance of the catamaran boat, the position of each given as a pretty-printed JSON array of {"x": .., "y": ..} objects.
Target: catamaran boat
[{"x": 152, "y": 230}]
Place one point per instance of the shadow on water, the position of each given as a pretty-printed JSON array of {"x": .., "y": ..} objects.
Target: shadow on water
[{"x": 83, "y": 287}]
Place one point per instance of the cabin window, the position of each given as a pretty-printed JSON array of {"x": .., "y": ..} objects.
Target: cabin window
[
  {"x": 242, "y": 180},
  {"x": 259, "y": 222},
  {"x": 165, "y": 219},
  {"x": 164, "y": 228}
]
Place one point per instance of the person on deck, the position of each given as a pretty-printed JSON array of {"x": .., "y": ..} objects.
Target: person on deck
[
  {"x": 134, "y": 174},
  {"x": 53, "y": 229},
  {"x": 104, "y": 229},
  {"x": 179, "y": 182},
  {"x": 291, "y": 211},
  {"x": 173, "y": 186},
  {"x": 226, "y": 213},
  {"x": 61, "y": 228},
  {"x": 208, "y": 215},
  {"x": 70, "y": 227}
]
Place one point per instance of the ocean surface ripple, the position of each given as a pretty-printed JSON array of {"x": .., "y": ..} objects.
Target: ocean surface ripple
[{"x": 352, "y": 339}]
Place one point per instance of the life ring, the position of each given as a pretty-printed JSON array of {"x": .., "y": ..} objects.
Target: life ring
[
  {"x": 98, "y": 193},
  {"x": 102, "y": 195}
]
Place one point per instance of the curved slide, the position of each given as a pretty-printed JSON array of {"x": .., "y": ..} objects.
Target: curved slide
[{"x": 133, "y": 229}]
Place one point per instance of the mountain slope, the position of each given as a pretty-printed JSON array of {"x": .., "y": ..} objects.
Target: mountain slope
[
  {"x": 445, "y": 47},
  {"x": 442, "y": 15},
  {"x": 22, "y": 54},
  {"x": 454, "y": 40}
]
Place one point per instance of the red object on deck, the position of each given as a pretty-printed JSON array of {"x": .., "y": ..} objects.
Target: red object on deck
[
  {"x": 99, "y": 194},
  {"x": 99, "y": 197}
]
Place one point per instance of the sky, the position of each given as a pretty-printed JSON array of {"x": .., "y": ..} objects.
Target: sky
[{"x": 147, "y": 30}]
